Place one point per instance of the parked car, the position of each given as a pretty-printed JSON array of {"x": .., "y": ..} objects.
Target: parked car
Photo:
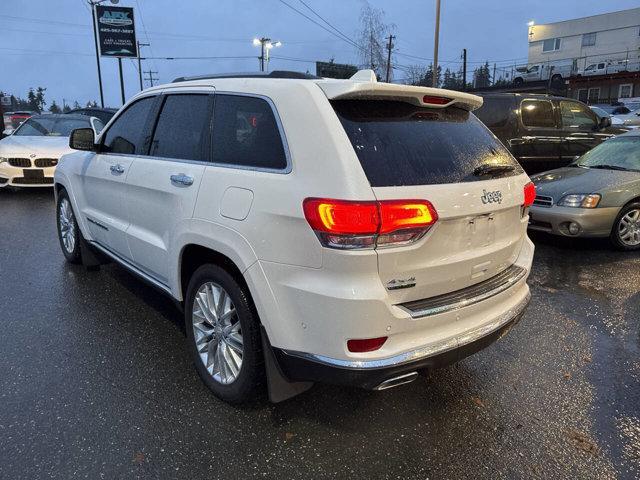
[
  {"x": 104, "y": 114},
  {"x": 608, "y": 67},
  {"x": 16, "y": 119},
  {"x": 543, "y": 71},
  {"x": 601, "y": 113},
  {"x": 543, "y": 131},
  {"x": 378, "y": 231},
  {"x": 28, "y": 156},
  {"x": 598, "y": 195}
]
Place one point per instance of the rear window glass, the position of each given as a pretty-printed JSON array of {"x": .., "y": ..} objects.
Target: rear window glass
[{"x": 401, "y": 144}]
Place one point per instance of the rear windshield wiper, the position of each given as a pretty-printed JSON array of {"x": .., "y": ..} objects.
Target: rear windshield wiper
[
  {"x": 610, "y": 167},
  {"x": 492, "y": 169}
]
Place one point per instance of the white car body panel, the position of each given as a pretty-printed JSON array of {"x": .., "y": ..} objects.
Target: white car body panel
[{"x": 310, "y": 298}]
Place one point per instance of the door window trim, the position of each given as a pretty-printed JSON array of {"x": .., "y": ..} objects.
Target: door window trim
[{"x": 537, "y": 127}]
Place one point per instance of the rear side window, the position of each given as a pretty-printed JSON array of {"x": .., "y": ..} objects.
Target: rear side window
[
  {"x": 401, "y": 144},
  {"x": 245, "y": 133},
  {"x": 126, "y": 133},
  {"x": 577, "y": 115},
  {"x": 537, "y": 113},
  {"x": 494, "y": 111},
  {"x": 183, "y": 127}
]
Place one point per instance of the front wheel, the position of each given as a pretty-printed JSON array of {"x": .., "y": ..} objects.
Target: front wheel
[
  {"x": 68, "y": 231},
  {"x": 223, "y": 335},
  {"x": 625, "y": 234}
]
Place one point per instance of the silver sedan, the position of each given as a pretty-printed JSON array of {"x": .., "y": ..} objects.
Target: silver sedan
[{"x": 598, "y": 195}]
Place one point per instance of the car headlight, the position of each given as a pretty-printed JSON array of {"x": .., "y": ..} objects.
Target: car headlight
[{"x": 580, "y": 200}]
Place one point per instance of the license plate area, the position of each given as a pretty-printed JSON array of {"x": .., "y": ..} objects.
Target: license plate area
[
  {"x": 482, "y": 230},
  {"x": 33, "y": 174}
]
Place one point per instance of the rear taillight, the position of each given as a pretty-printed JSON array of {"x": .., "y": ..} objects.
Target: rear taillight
[
  {"x": 365, "y": 344},
  {"x": 529, "y": 194},
  {"x": 346, "y": 224}
]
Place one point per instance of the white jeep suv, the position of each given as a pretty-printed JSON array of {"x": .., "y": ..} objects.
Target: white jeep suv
[{"x": 342, "y": 231}]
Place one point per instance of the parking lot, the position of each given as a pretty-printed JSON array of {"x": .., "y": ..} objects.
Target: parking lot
[{"x": 96, "y": 382}]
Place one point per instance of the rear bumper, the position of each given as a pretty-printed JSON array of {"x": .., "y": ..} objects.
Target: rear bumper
[
  {"x": 594, "y": 222},
  {"x": 372, "y": 374}
]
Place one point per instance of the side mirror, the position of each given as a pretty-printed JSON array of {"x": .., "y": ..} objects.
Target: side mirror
[
  {"x": 605, "y": 122},
  {"x": 83, "y": 139}
]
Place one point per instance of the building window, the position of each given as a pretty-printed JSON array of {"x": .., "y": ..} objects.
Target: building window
[
  {"x": 594, "y": 95},
  {"x": 625, "y": 90},
  {"x": 583, "y": 95},
  {"x": 551, "y": 45},
  {"x": 588, "y": 39}
]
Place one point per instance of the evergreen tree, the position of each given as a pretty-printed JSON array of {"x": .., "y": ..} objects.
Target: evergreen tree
[{"x": 54, "y": 108}]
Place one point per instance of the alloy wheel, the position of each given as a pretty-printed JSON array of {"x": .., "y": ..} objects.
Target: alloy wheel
[
  {"x": 217, "y": 332},
  {"x": 629, "y": 228},
  {"x": 67, "y": 225}
]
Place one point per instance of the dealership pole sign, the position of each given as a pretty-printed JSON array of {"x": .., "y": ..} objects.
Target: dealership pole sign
[{"x": 116, "y": 31}]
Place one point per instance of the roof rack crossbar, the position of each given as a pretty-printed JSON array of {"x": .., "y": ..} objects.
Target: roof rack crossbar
[{"x": 274, "y": 74}]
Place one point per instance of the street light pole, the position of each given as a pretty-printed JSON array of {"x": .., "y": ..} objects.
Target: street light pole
[
  {"x": 265, "y": 45},
  {"x": 140, "y": 63},
  {"x": 435, "y": 46}
]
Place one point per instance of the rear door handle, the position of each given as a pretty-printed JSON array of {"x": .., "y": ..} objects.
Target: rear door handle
[
  {"x": 116, "y": 169},
  {"x": 181, "y": 180}
]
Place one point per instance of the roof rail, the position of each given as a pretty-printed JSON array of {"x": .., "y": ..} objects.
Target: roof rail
[{"x": 274, "y": 74}]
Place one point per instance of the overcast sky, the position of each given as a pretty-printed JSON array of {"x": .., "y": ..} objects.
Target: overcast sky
[{"x": 49, "y": 42}]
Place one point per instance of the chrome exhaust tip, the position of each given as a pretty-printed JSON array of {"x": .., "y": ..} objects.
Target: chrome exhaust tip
[{"x": 397, "y": 381}]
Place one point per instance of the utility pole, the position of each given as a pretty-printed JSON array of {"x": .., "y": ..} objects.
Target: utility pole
[
  {"x": 494, "y": 74},
  {"x": 464, "y": 69},
  {"x": 265, "y": 45},
  {"x": 140, "y": 62},
  {"x": 389, "y": 47},
  {"x": 373, "y": 67},
  {"x": 435, "y": 46},
  {"x": 151, "y": 78}
]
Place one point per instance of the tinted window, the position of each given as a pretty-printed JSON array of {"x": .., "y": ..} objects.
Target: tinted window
[
  {"x": 494, "y": 111},
  {"x": 537, "y": 113},
  {"x": 400, "y": 144},
  {"x": 576, "y": 115},
  {"x": 183, "y": 127},
  {"x": 51, "y": 127},
  {"x": 245, "y": 133},
  {"x": 126, "y": 134}
]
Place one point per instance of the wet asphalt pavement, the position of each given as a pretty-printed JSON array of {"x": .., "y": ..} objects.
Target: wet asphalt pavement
[{"x": 96, "y": 382}]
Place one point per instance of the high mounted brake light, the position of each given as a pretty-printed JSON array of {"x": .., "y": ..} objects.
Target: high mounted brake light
[
  {"x": 346, "y": 224},
  {"x": 433, "y": 100}
]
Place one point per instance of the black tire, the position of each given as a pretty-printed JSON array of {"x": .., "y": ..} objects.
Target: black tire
[
  {"x": 249, "y": 383},
  {"x": 616, "y": 236},
  {"x": 68, "y": 225},
  {"x": 518, "y": 82}
]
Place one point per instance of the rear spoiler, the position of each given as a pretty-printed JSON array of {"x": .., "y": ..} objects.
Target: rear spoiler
[{"x": 364, "y": 85}]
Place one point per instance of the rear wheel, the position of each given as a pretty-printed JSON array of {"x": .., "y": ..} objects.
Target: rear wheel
[
  {"x": 223, "y": 335},
  {"x": 625, "y": 234},
  {"x": 68, "y": 231}
]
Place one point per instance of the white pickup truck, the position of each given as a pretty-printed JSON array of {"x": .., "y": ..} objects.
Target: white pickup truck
[
  {"x": 605, "y": 67},
  {"x": 542, "y": 71}
]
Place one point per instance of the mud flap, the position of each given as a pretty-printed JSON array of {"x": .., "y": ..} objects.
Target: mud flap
[
  {"x": 91, "y": 259},
  {"x": 280, "y": 389}
]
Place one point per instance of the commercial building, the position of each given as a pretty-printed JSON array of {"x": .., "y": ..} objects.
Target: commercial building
[{"x": 608, "y": 44}]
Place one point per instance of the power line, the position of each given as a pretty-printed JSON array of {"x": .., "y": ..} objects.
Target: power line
[
  {"x": 144, "y": 29},
  {"x": 345, "y": 37}
]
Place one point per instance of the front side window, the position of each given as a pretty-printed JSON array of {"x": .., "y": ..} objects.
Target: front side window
[
  {"x": 183, "y": 127},
  {"x": 126, "y": 133},
  {"x": 577, "y": 115},
  {"x": 551, "y": 44},
  {"x": 245, "y": 133},
  {"x": 537, "y": 113},
  {"x": 588, "y": 39},
  {"x": 50, "y": 127}
]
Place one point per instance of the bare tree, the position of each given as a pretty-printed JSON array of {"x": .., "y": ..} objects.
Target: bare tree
[
  {"x": 371, "y": 39},
  {"x": 415, "y": 74}
]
